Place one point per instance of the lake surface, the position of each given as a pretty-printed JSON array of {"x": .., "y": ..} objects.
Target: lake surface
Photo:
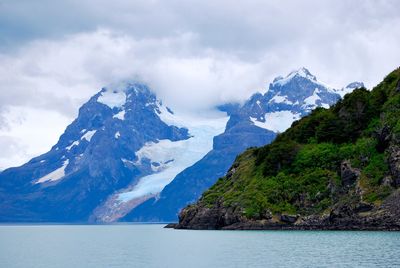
[{"x": 52, "y": 246}]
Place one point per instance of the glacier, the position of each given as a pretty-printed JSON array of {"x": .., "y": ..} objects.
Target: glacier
[{"x": 174, "y": 157}]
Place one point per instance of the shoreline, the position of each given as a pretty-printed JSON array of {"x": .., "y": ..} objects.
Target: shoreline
[{"x": 246, "y": 227}]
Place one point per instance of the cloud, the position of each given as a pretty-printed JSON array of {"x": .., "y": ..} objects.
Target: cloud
[
  {"x": 31, "y": 131},
  {"x": 55, "y": 55},
  {"x": 56, "y": 75}
]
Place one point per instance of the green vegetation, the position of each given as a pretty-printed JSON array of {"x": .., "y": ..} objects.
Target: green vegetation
[{"x": 300, "y": 171}]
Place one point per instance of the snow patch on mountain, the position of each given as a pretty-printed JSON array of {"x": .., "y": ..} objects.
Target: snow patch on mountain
[
  {"x": 120, "y": 115},
  {"x": 277, "y": 121},
  {"x": 311, "y": 101},
  {"x": 280, "y": 99},
  {"x": 112, "y": 98},
  {"x": 302, "y": 72},
  {"x": 75, "y": 143},
  {"x": 55, "y": 175},
  {"x": 88, "y": 135},
  {"x": 126, "y": 161}
]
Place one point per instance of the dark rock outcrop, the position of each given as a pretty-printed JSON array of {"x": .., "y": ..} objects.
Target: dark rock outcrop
[
  {"x": 383, "y": 137},
  {"x": 289, "y": 218},
  {"x": 348, "y": 174},
  {"x": 394, "y": 164},
  {"x": 216, "y": 217}
]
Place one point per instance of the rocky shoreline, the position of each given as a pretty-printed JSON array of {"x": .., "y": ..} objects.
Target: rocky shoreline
[
  {"x": 354, "y": 214},
  {"x": 383, "y": 218}
]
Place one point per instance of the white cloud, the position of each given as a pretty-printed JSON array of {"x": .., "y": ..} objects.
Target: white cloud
[{"x": 30, "y": 132}]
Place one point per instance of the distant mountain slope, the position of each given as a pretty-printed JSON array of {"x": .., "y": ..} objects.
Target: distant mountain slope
[
  {"x": 337, "y": 168},
  {"x": 255, "y": 123}
]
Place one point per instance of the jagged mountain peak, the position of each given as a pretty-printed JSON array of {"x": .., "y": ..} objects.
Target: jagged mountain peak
[
  {"x": 116, "y": 96},
  {"x": 102, "y": 141},
  {"x": 355, "y": 85},
  {"x": 288, "y": 99},
  {"x": 301, "y": 73},
  {"x": 128, "y": 88}
]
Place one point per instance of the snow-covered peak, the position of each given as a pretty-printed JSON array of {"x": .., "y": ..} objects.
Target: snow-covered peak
[
  {"x": 288, "y": 99},
  {"x": 116, "y": 96},
  {"x": 112, "y": 98},
  {"x": 302, "y": 72}
]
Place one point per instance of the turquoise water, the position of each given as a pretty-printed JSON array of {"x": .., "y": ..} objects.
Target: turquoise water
[{"x": 52, "y": 246}]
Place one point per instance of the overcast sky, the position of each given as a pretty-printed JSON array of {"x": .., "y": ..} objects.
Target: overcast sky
[{"x": 55, "y": 54}]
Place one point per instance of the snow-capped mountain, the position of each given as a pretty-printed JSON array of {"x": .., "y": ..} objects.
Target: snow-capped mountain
[
  {"x": 288, "y": 99},
  {"x": 129, "y": 157},
  {"x": 255, "y": 123},
  {"x": 120, "y": 139}
]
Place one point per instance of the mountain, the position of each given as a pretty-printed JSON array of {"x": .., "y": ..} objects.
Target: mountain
[
  {"x": 120, "y": 136},
  {"x": 337, "y": 168},
  {"x": 129, "y": 157},
  {"x": 255, "y": 123}
]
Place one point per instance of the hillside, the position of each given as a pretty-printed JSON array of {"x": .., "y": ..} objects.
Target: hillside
[{"x": 338, "y": 168}]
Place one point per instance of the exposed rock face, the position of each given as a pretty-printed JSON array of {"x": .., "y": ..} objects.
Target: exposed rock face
[
  {"x": 398, "y": 87},
  {"x": 383, "y": 137},
  {"x": 394, "y": 163},
  {"x": 209, "y": 218},
  {"x": 288, "y": 218},
  {"x": 349, "y": 175}
]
